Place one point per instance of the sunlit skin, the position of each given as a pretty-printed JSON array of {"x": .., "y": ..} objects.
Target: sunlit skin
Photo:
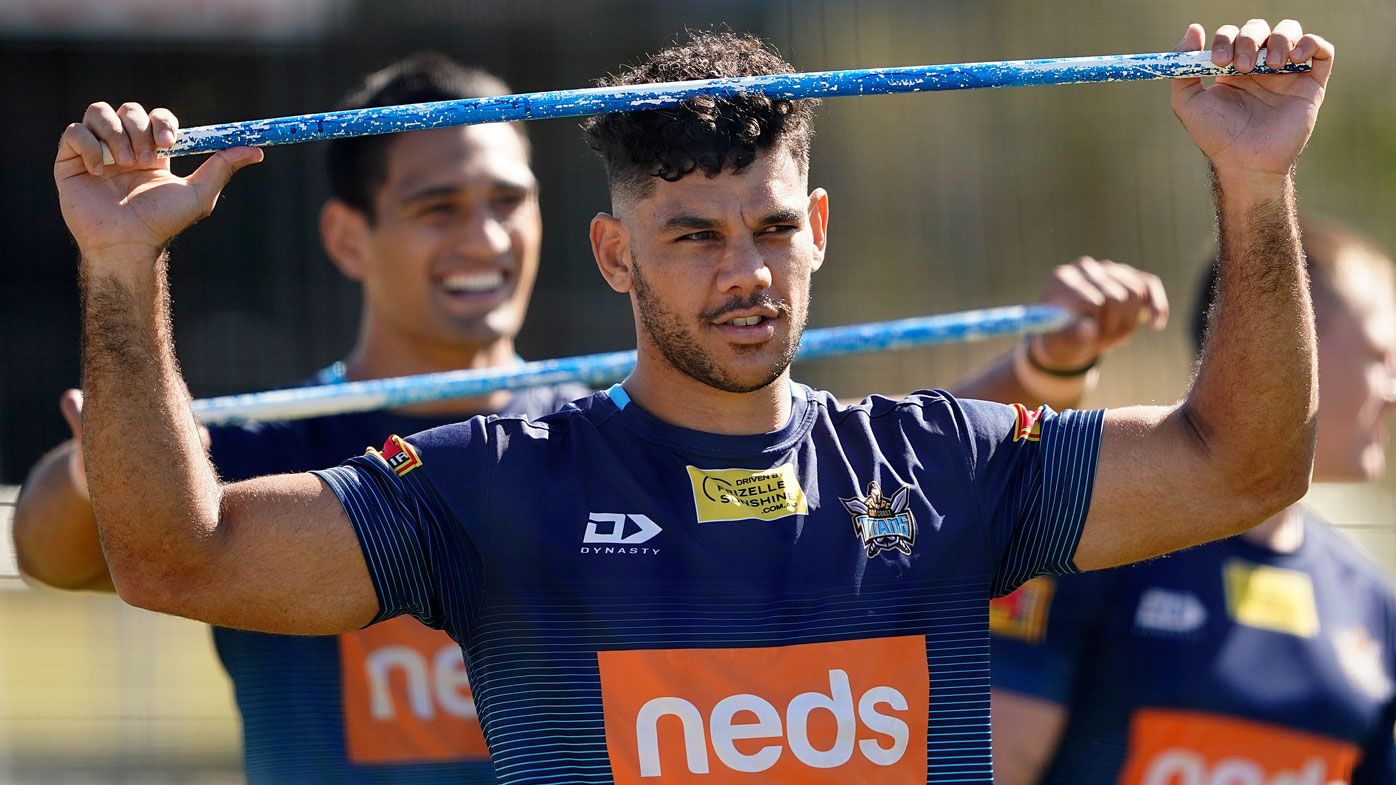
[
  {"x": 1357, "y": 384},
  {"x": 449, "y": 256},
  {"x": 1357, "y": 371},
  {"x": 698, "y": 254}
]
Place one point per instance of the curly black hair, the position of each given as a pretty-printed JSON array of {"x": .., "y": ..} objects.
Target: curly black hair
[
  {"x": 357, "y": 166},
  {"x": 711, "y": 134}
]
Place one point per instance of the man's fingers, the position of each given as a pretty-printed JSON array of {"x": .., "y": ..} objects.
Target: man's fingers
[
  {"x": 1191, "y": 42},
  {"x": 208, "y": 180},
  {"x": 1117, "y": 313},
  {"x": 1105, "y": 275},
  {"x": 104, "y": 124},
  {"x": 1281, "y": 42},
  {"x": 1114, "y": 298},
  {"x": 164, "y": 126},
  {"x": 1192, "y": 39},
  {"x": 70, "y": 404},
  {"x": 1253, "y": 36},
  {"x": 1158, "y": 301},
  {"x": 137, "y": 124},
  {"x": 78, "y": 140},
  {"x": 1076, "y": 293},
  {"x": 1224, "y": 44},
  {"x": 1316, "y": 50},
  {"x": 1148, "y": 302}
]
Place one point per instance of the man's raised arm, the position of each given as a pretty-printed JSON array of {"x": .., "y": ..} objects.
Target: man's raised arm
[
  {"x": 275, "y": 553},
  {"x": 1240, "y": 446}
]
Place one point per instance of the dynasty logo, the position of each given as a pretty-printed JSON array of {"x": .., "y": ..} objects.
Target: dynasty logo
[{"x": 883, "y": 524}]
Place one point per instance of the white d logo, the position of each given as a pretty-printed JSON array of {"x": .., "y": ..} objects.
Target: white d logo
[{"x": 615, "y": 535}]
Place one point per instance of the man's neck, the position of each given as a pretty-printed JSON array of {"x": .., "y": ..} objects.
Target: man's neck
[
  {"x": 676, "y": 398},
  {"x": 379, "y": 357},
  {"x": 1282, "y": 532}
]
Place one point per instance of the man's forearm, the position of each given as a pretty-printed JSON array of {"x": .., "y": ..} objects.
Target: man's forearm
[
  {"x": 1254, "y": 401},
  {"x": 154, "y": 493}
]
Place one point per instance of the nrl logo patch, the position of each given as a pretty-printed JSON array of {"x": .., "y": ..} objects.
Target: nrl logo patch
[
  {"x": 1027, "y": 423},
  {"x": 398, "y": 454},
  {"x": 881, "y": 523}
]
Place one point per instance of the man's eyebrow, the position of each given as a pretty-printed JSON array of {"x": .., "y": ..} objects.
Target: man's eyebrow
[
  {"x": 433, "y": 192},
  {"x": 689, "y": 222},
  {"x": 784, "y": 216},
  {"x": 439, "y": 191}
]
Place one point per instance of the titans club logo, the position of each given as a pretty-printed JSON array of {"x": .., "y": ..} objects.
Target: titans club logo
[{"x": 881, "y": 523}]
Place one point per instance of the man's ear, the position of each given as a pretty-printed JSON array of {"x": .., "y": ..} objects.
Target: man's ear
[
  {"x": 819, "y": 223},
  {"x": 344, "y": 232},
  {"x": 610, "y": 245}
]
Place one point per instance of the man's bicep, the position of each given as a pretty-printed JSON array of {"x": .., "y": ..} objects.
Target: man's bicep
[
  {"x": 55, "y": 534},
  {"x": 290, "y": 561},
  {"x": 1156, "y": 490}
]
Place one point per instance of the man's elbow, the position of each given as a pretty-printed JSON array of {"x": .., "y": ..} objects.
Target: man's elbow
[
  {"x": 156, "y": 579},
  {"x": 1258, "y": 475},
  {"x": 1275, "y": 489},
  {"x": 1285, "y": 474},
  {"x": 1266, "y": 482},
  {"x": 147, "y": 590}
]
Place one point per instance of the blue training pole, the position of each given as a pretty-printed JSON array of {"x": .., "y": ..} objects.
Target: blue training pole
[
  {"x": 600, "y": 100},
  {"x": 598, "y": 369}
]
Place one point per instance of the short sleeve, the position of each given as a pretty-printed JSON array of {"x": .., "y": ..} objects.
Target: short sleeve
[
  {"x": 412, "y": 509},
  {"x": 1033, "y": 474},
  {"x": 1040, "y": 634}
]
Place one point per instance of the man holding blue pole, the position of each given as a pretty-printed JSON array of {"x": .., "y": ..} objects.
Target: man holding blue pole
[
  {"x": 442, "y": 230},
  {"x": 658, "y": 581}
]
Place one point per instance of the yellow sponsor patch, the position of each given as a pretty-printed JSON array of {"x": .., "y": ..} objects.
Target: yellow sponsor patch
[
  {"x": 1022, "y": 615},
  {"x": 742, "y": 494},
  {"x": 1270, "y": 598}
]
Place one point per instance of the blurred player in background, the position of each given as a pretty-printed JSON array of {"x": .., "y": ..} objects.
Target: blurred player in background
[
  {"x": 1268, "y": 657},
  {"x": 442, "y": 229}
]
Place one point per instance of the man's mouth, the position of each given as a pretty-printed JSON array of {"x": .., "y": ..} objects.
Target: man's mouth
[
  {"x": 748, "y": 327},
  {"x": 473, "y": 283}
]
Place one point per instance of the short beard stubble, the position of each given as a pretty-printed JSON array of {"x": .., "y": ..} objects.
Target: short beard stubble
[{"x": 682, "y": 351}]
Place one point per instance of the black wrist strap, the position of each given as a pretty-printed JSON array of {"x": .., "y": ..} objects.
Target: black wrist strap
[{"x": 1062, "y": 374}]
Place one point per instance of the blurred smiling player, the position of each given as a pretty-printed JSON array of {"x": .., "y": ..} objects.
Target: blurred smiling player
[
  {"x": 442, "y": 231},
  {"x": 1270, "y": 655},
  {"x": 621, "y": 625}
]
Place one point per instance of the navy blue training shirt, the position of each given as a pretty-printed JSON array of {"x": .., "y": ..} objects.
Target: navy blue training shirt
[
  {"x": 642, "y": 603},
  {"x": 389, "y": 705},
  {"x": 1225, "y": 663}
]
